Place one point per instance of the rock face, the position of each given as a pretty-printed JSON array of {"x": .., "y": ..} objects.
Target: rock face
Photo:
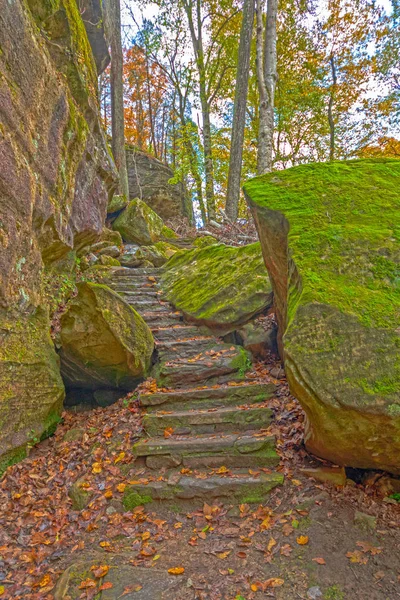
[
  {"x": 31, "y": 388},
  {"x": 105, "y": 342},
  {"x": 56, "y": 177},
  {"x": 139, "y": 224},
  {"x": 149, "y": 180},
  {"x": 329, "y": 234},
  {"x": 218, "y": 286}
]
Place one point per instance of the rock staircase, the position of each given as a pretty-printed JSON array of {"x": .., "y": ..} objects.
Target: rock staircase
[{"x": 205, "y": 421}]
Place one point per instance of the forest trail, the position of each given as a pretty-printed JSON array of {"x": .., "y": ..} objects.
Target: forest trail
[{"x": 201, "y": 411}]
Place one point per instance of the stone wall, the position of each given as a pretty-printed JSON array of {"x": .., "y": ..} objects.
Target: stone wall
[{"x": 56, "y": 177}]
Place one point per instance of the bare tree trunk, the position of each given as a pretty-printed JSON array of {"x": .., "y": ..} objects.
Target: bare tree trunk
[
  {"x": 330, "y": 109},
  {"x": 197, "y": 41},
  {"x": 239, "y": 111},
  {"x": 266, "y": 75},
  {"x": 113, "y": 23}
]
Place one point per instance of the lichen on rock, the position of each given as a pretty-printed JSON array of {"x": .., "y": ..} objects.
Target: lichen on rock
[
  {"x": 330, "y": 239},
  {"x": 219, "y": 286}
]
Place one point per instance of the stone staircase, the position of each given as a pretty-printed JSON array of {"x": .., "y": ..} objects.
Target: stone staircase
[{"x": 205, "y": 422}]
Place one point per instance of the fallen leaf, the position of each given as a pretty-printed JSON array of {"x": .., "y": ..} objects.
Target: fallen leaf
[
  {"x": 97, "y": 468},
  {"x": 100, "y": 571},
  {"x": 106, "y": 586},
  {"x": 273, "y": 582},
  {"x": 2, "y": 590},
  {"x": 121, "y": 487},
  {"x": 176, "y": 571},
  {"x": 120, "y": 457},
  {"x": 168, "y": 432},
  {"x": 87, "y": 583},
  {"x": 46, "y": 579},
  {"x": 357, "y": 557},
  {"x": 271, "y": 544},
  {"x": 302, "y": 540},
  {"x": 320, "y": 561},
  {"x": 223, "y": 555},
  {"x": 286, "y": 550},
  {"x": 367, "y": 547}
]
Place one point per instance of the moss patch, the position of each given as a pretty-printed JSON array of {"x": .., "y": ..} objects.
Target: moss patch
[
  {"x": 220, "y": 286},
  {"x": 344, "y": 233}
]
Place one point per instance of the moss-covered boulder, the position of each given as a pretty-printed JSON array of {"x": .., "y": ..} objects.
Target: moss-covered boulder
[
  {"x": 139, "y": 224},
  {"x": 105, "y": 342},
  {"x": 31, "y": 388},
  {"x": 117, "y": 203},
  {"x": 330, "y": 237},
  {"x": 218, "y": 286}
]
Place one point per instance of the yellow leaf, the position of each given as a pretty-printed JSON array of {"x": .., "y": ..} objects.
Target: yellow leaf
[
  {"x": 222, "y": 470},
  {"x": 296, "y": 482},
  {"x": 121, "y": 487},
  {"x": 178, "y": 525},
  {"x": 100, "y": 571},
  {"x": 97, "y": 468},
  {"x": 157, "y": 556},
  {"x": 176, "y": 571},
  {"x": 120, "y": 457},
  {"x": 105, "y": 544},
  {"x": 2, "y": 590},
  {"x": 146, "y": 535},
  {"x": 223, "y": 555},
  {"x": 46, "y": 579},
  {"x": 302, "y": 540},
  {"x": 266, "y": 524},
  {"x": 108, "y": 494},
  {"x": 253, "y": 587},
  {"x": 271, "y": 544}
]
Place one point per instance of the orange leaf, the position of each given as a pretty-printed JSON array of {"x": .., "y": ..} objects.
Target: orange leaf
[
  {"x": 320, "y": 561},
  {"x": 168, "y": 432},
  {"x": 176, "y": 571},
  {"x": 273, "y": 582},
  {"x": 87, "y": 583},
  {"x": 100, "y": 571},
  {"x": 302, "y": 540},
  {"x": 106, "y": 586}
]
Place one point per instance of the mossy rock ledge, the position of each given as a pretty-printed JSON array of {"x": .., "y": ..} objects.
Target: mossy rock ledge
[
  {"x": 31, "y": 388},
  {"x": 105, "y": 342},
  {"x": 330, "y": 238},
  {"x": 218, "y": 286}
]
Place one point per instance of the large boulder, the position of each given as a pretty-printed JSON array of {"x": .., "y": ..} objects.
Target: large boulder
[
  {"x": 149, "y": 179},
  {"x": 104, "y": 342},
  {"x": 31, "y": 388},
  {"x": 219, "y": 286},
  {"x": 139, "y": 224},
  {"x": 330, "y": 238},
  {"x": 56, "y": 176},
  {"x": 157, "y": 254}
]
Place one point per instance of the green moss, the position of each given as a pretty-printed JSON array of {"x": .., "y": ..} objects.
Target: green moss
[
  {"x": 132, "y": 499},
  {"x": 218, "y": 285},
  {"x": 168, "y": 233},
  {"x": 242, "y": 362},
  {"x": 11, "y": 458},
  {"x": 344, "y": 226}
]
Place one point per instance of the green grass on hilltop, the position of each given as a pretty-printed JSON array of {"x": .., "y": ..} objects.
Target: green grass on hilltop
[{"x": 344, "y": 232}]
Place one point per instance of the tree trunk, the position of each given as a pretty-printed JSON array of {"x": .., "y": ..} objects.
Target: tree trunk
[
  {"x": 197, "y": 41},
  {"x": 330, "y": 109},
  {"x": 266, "y": 76},
  {"x": 113, "y": 20},
  {"x": 239, "y": 111}
]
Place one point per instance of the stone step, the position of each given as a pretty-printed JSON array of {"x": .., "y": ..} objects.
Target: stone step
[
  {"x": 211, "y": 420},
  {"x": 176, "y": 332},
  {"x": 185, "y": 347},
  {"x": 218, "y": 396},
  {"x": 152, "y": 307},
  {"x": 173, "y": 371},
  {"x": 235, "y": 487},
  {"x": 138, "y": 293},
  {"x": 230, "y": 449},
  {"x": 119, "y": 272}
]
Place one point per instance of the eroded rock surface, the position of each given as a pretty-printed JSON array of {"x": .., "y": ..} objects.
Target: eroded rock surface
[
  {"x": 329, "y": 234},
  {"x": 56, "y": 177}
]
